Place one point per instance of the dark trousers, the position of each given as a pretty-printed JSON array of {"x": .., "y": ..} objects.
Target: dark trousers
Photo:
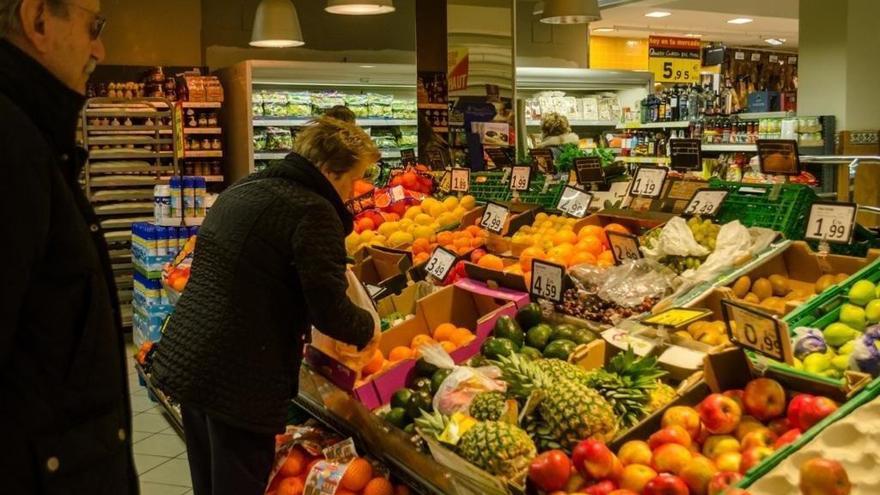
[{"x": 223, "y": 459}]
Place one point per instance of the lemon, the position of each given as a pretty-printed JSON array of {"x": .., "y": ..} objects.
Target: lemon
[
  {"x": 447, "y": 219},
  {"x": 468, "y": 202},
  {"x": 352, "y": 242},
  {"x": 388, "y": 228},
  {"x": 436, "y": 209},
  {"x": 451, "y": 203},
  {"x": 367, "y": 236},
  {"x": 412, "y": 212},
  {"x": 400, "y": 238},
  {"x": 540, "y": 218},
  {"x": 429, "y": 203},
  {"x": 423, "y": 232},
  {"x": 424, "y": 219}
]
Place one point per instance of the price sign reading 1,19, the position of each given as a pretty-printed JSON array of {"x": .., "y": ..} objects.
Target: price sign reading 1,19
[
  {"x": 648, "y": 181},
  {"x": 440, "y": 262},
  {"x": 520, "y": 177},
  {"x": 831, "y": 222},
  {"x": 494, "y": 217},
  {"x": 706, "y": 202},
  {"x": 574, "y": 202},
  {"x": 624, "y": 247},
  {"x": 757, "y": 331},
  {"x": 547, "y": 280},
  {"x": 461, "y": 179}
]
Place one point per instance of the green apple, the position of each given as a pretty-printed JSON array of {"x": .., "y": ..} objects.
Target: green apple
[
  {"x": 840, "y": 362},
  {"x": 853, "y": 316},
  {"x": 837, "y": 334},
  {"x": 862, "y": 292},
  {"x": 846, "y": 349},
  {"x": 817, "y": 362},
  {"x": 872, "y": 311}
]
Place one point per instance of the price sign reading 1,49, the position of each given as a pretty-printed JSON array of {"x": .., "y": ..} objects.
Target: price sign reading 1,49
[
  {"x": 574, "y": 202},
  {"x": 831, "y": 222},
  {"x": 706, "y": 202},
  {"x": 461, "y": 179},
  {"x": 547, "y": 280},
  {"x": 520, "y": 177},
  {"x": 757, "y": 331},
  {"x": 494, "y": 217},
  {"x": 648, "y": 181},
  {"x": 440, "y": 262}
]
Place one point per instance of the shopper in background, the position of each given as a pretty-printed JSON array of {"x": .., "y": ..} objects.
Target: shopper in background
[
  {"x": 341, "y": 112},
  {"x": 269, "y": 262},
  {"x": 63, "y": 382},
  {"x": 556, "y": 132}
]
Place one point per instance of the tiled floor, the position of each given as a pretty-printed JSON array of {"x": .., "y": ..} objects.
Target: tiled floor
[{"x": 159, "y": 453}]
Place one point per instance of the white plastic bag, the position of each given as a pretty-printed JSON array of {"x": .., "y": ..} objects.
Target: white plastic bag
[
  {"x": 348, "y": 354},
  {"x": 676, "y": 239},
  {"x": 461, "y": 386}
]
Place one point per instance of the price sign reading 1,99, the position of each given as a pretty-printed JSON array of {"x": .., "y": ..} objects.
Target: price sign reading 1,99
[
  {"x": 648, "y": 181},
  {"x": 494, "y": 218},
  {"x": 547, "y": 280},
  {"x": 757, "y": 331},
  {"x": 520, "y": 176},
  {"x": 461, "y": 179},
  {"x": 831, "y": 222}
]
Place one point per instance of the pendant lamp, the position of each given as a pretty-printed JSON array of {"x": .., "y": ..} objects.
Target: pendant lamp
[
  {"x": 276, "y": 25},
  {"x": 570, "y": 11},
  {"x": 359, "y": 7}
]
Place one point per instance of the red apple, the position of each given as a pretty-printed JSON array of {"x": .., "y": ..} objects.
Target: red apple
[
  {"x": 762, "y": 437},
  {"x": 671, "y": 458},
  {"x": 636, "y": 476},
  {"x": 635, "y": 452},
  {"x": 764, "y": 398},
  {"x": 824, "y": 477},
  {"x": 735, "y": 394},
  {"x": 786, "y": 438},
  {"x": 603, "y": 487},
  {"x": 593, "y": 459},
  {"x": 697, "y": 475},
  {"x": 666, "y": 484},
  {"x": 550, "y": 471},
  {"x": 683, "y": 416},
  {"x": 670, "y": 434},
  {"x": 754, "y": 456},
  {"x": 719, "y": 414},
  {"x": 722, "y": 480},
  {"x": 814, "y": 411},
  {"x": 780, "y": 426},
  {"x": 794, "y": 407}
]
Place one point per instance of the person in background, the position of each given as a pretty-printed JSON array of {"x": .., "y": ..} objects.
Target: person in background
[
  {"x": 555, "y": 133},
  {"x": 341, "y": 112},
  {"x": 63, "y": 384},
  {"x": 269, "y": 263}
]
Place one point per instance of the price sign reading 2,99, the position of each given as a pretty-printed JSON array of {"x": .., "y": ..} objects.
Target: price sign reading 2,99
[
  {"x": 494, "y": 217},
  {"x": 547, "y": 280},
  {"x": 648, "y": 181},
  {"x": 831, "y": 222},
  {"x": 757, "y": 331},
  {"x": 624, "y": 247}
]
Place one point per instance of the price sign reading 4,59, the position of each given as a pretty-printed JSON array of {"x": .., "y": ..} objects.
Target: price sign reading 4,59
[
  {"x": 440, "y": 262},
  {"x": 758, "y": 331},
  {"x": 624, "y": 247},
  {"x": 648, "y": 181},
  {"x": 705, "y": 202},
  {"x": 461, "y": 179},
  {"x": 547, "y": 280},
  {"x": 574, "y": 201},
  {"x": 494, "y": 217},
  {"x": 520, "y": 176},
  {"x": 831, "y": 222}
]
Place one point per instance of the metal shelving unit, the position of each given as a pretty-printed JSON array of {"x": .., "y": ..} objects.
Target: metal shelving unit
[
  {"x": 282, "y": 122},
  {"x": 679, "y": 124},
  {"x": 131, "y": 149}
]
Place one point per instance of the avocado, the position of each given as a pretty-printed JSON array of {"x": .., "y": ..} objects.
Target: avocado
[
  {"x": 420, "y": 401},
  {"x": 422, "y": 384},
  {"x": 559, "y": 349},
  {"x": 584, "y": 336},
  {"x": 397, "y": 416},
  {"x": 507, "y": 328},
  {"x": 539, "y": 336},
  {"x": 530, "y": 353},
  {"x": 438, "y": 378},
  {"x": 401, "y": 397},
  {"x": 529, "y": 315},
  {"x": 494, "y": 347},
  {"x": 564, "y": 331}
]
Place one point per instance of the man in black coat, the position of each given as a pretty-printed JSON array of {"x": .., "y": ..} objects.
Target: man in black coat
[{"x": 63, "y": 386}]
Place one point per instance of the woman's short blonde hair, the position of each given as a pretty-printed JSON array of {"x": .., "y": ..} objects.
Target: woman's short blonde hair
[
  {"x": 335, "y": 146},
  {"x": 554, "y": 124}
]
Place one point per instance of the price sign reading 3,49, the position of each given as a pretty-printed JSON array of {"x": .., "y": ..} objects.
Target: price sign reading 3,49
[
  {"x": 706, "y": 202},
  {"x": 547, "y": 280},
  {"x": 440, "y": 262},
  {"x": 494, "y": 217}
]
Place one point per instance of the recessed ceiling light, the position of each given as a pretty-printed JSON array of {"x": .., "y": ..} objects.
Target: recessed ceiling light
[
  {"x": 359, "y": 7},
  {"x": 658, "y": 13},
  {"x": 603, "y": 30},
  {"x": 774, "y": 41},
  {"x": 367, "y": 66},
  {"x": 740, "y": 20}
]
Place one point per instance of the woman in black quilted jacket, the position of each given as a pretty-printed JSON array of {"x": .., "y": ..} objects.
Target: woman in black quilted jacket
[{"x": 269, "y": 263}]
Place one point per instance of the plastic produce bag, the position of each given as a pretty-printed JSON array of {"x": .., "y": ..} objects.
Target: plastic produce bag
[
  {"x": 865, "y": 356},
  {"x": 347, "y": 354},
  {"x": 807, "y": 341},
  {"x": 461, "y": 386},
  {"x": 676, "y": 239},
  {"x": 628, "y": 284},
  {"x": 734, "y": 242}
]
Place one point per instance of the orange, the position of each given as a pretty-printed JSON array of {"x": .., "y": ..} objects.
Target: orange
[
  {"x": 605, "y": 259},
  {"x": 461, "y": 251},
  {"x": 562, "y": 251},
  {"x": 475, "y": 231},
  {"x": 616, "y": 227},
  {"x": 401, "y": 490},
  {"x": 528, "y": 278},
  {"x": 591, "y": 230},
  {"x": 445, "y": 238},
  {"x": 379, "y": 486},
  {"x": 290, "y": 486},
  {"x": 443, "y": 331},
  {"x": 375, "y": 364},
  {"x": 564, "y": 237},
  {"x": 462, "y": 242},
  {"x": 420, "y": 340},
  {"x": 591, "y": 244},
  {"x": 448, "y": 346},
  {"x": 357, "y": 475},
  {"x": 582, "y": 258},
  {"x": 461, "y": 336},
  {"x": 477, "y": 242},
  {"x": 294, "y": 463},
  {"x": 343, "y": 491},
  {"x": 514, "y": 269},
  {"x": 421, "y": 245},
  {"x": 391, "y": 217},
  {"x": 421, "y": 258},
  {"x": 491, "y": 262},
  {"x": 400, "y": 352},
  {"x": 528, "y": 254},
  {"x": 363, "y": 224}
]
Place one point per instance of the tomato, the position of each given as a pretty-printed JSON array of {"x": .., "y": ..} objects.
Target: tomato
[{"x": 550, "y": 471}]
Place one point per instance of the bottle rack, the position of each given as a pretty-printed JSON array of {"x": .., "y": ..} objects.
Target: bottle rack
[{"x": 133, "y": 146}]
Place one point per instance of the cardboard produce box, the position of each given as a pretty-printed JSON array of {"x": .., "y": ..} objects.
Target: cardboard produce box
[{"x": 383, "y": 268}]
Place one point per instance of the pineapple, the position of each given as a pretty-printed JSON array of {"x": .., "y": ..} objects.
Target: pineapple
[
  {"x": 571, "y": 411},
  {"x": 558, "y": 369},
  {"x": 627, "y": 382},
  {"x": 661, "y": 395},
  {"x": 488, "y": 406}
]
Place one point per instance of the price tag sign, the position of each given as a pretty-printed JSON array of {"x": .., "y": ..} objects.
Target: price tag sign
[
  {"x": 461, "y": 179},
  {"x": 705, "y": 202},
  {"x": 575, "y": 202},
  {"x": 778, "y": 156},
  {"x": 499, "y": 157},
  {"x": 589, "y": 169},
  {"x": 520, "y": 177},
  {"x": 547, "y": 280},
  {"x": 408, "y": 156},
  {"x": 375, "y": 291},
  {"x": 440, "y": 262},
  {"x": 446, "y": 182},
  {"x": 685, "y": 154},
  {"x": 677, "y": 317},
  {"x": 397, "y": 193},
  {"x": 673, "y": 59},
  {"x": 831, "y": 222},
  {"x": 758, "y": 331},
  {"x": 543, "y": 160},
  {"x": 624, "y": 247},
  {"x": 494, "y": 217},
  {"x": 648, "y": 181}
]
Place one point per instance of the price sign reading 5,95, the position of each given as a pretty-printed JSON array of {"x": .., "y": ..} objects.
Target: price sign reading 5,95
[
  {"x": 494, "y": 217},
  {"x": 547, "y": 280},
  {"x": 756, "y": 330},
  {"x": 624, "y": 247},
  {"x": 648, "y": 181},
  {"x": 705, "y": 202},
  {"x": 574, "y": 202},
  {"x": 440, "y": 262},
  {"x": 520, "y": 177},
  {"x": 461, "y": 179},
  {"x": 831, "y": 222}
]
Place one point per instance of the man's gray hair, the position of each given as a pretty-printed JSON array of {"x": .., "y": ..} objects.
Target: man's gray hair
[{"x": 9, "y": 14}]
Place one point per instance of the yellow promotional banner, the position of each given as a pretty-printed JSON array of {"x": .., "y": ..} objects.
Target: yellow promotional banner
[{"x": 674, "y": 60}]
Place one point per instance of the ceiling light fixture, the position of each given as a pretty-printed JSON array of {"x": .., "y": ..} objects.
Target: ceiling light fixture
[
  {"x": 740, "y": 20},
  {"x": 603, "y": 30},
  {"x": 694, "y": 35},
  {"x": 658, "y": 13},
  {"x": 570, "y": 12},
  {"x": 359, "y": 7},
  {"x": 367, "y": 66},
  {"x": 276, "y": 25},
  {"x": 774, "y": 41}
]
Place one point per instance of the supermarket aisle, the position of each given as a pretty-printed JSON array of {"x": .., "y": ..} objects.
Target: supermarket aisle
[{"x": 159, "y": 453}]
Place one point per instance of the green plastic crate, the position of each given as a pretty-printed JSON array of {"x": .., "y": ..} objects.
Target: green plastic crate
[
  {"x": 863, "y": 239},
  {"x": 539, "y": 195},
  {"x": 487, "y": 186},
  {"x": 781, "y": 207}
]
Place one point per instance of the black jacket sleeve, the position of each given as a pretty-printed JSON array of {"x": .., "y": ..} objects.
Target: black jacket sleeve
[{"x": 319, "y": 257}]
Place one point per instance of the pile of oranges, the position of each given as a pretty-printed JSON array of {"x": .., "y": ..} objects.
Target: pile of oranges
[
  {"x": 359, "y": 477},
  {"x": 552, "y": 238},
  {"x": 457, "y": 241},
  {"x": 447, "y": 335}
]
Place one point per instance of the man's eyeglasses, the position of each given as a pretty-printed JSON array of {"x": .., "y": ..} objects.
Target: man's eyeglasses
[{"x": 98, "y": 23}]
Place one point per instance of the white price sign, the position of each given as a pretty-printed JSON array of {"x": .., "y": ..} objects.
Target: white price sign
[
  {"x": 831, "y": 222},
  {"x": 397, "y": 193},
  {"x": 374, "y": 290},
  {"x": 648, "y": 181},
  {"x": 494, "y": 217},
  {"x": 574, "y": 201},
  {"x": 440, "y": 262},
  {"x": 520, "y": 177},
  {"x": 624, "y": 247},
  {"x": 706, "y": 202},
  {"x": 461, "y": 179},
  {"x": 756, "y": 330},
  {"x": 547, "y": 280}
]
